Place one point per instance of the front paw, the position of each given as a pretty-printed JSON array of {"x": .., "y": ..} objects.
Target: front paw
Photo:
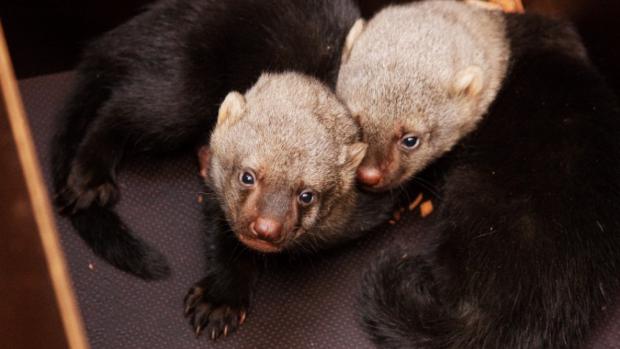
[{"x": 218, "y": 317}]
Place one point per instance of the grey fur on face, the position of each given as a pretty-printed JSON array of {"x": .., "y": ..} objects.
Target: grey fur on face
[
  {"x": 427, "y": 69},
  {"x": 292, "y": 134}
]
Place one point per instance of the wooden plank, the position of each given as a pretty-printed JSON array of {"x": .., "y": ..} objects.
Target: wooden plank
[{"x": 37, "y": 304}]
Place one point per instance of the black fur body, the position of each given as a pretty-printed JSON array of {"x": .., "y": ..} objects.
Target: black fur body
[
  {"x": 153, "y": 86},
  {"x": 524, "y": 247}
]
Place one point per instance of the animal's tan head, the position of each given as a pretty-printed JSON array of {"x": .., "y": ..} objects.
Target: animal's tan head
[
  {"x": 417, "y": 78},
  {"x": 282, "y": 161}
]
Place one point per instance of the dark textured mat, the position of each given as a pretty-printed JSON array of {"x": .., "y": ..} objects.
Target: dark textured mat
[{"x": 306, "y": 305}]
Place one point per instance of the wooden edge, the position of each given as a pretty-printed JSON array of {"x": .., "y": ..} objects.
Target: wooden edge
[
  {"x": 508, "y": 6},
  {"x": 42, "y": 210}
]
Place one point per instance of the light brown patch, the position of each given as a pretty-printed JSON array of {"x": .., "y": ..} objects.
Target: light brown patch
[
  {"x": 509, "y": 6},
  {"x": 426, "y": 208},
  {"x": 416, "y": 202}
]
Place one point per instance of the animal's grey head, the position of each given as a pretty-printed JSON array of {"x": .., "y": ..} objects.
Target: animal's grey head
[
  {"x": 282, "y": 161},
  {"x": 418, "y": 78}
]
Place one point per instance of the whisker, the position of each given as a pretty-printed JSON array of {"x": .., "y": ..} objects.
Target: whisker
[{"x": 429, "y": 187}]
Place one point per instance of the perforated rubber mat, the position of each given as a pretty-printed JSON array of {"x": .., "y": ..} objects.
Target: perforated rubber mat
[{"x": 306, "y": 304}]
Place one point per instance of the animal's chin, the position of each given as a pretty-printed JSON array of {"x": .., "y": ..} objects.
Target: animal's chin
[
  {"x": 259, "y": 245},
  {"x": 380, "y": 188}
]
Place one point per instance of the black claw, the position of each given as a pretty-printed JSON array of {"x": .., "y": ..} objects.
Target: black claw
[
  {"x": 215, "y": 317},
  {"x": 192, "y": 299}
]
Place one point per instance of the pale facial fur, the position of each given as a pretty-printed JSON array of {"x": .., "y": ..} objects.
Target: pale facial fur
[
  {"x": 425, "y": 70},
  {"x": 293, "y": 136}
]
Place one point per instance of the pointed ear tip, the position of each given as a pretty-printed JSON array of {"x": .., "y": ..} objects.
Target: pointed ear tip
[
  {"x": 237, "y": 94},
  {"x": 234, "y": 95},
  {"x": 356, "y": 29},
  {"x": 360, "y": 22}
]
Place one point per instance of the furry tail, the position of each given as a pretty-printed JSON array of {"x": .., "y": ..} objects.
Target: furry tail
[
  {"x": 97, "y": 224},
  {"x": 400, "y": 303},
  {"x": 105, "y": 233},
  {"x": 403, "y": 305}
]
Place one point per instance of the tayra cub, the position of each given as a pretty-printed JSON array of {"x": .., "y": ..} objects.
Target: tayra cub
[
  {"x": 281, "y": 169},
  {"x": 415, "y": 91},
  {"x": 153, "y": 86},
  {"x": 520, "y": 132}
]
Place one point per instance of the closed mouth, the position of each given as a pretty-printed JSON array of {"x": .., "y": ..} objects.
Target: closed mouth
[
  {"x": 259, "y": 245},
  {"x": 378, "y": 188}
]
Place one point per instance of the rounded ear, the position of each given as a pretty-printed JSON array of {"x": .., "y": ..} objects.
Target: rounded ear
[
  {"x": 352, "y": 155},
  {"x": 203, "y": 159},
  {"x": 468, "y": 82},
  {"x": 231, "y": 109},
  {"x": 356, "y": 30}
]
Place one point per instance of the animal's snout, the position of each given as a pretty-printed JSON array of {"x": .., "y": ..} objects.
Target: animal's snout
[
  {"x": 267, "y": 229},
  {"x": 369, "y": 176}
]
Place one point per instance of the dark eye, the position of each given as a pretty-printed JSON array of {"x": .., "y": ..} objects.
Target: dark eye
[
  {"x": 306, "y": 198},
  {"x": 247, "y": 179},
  {"x": 410, "y": 142}
]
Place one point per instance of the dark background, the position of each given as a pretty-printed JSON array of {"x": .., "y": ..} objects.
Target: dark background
[{"x": 46, "y": 36}]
